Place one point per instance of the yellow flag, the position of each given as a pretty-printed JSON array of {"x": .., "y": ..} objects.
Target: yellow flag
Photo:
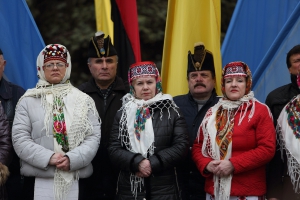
[
  {"x": 189, "y": 22},
  {"x": 103, "y": 17}
]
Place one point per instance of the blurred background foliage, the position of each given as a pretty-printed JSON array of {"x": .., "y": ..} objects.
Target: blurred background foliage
[{"x": 72, "y": 23}]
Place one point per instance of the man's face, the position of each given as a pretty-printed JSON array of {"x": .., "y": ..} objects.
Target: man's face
[
  {"x": 2, "y": 66},
  {"x": 295, "y": 64},
  {"x": 103, "y": 70},
  {"x": 201, "y": 84}
]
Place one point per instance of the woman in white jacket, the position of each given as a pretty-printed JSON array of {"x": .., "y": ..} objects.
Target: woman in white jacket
[{"x": 56, "y": 130}]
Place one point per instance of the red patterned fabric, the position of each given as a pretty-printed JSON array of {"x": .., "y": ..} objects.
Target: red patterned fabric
[
  {"x": 253, "y": 146},
  {"x": 55, "y": 52},
  {"x": 236, "y": 68},
  {"x": 146, "y": 68}
]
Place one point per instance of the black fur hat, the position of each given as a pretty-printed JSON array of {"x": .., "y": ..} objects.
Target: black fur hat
[
  {"x": 101, "y": 47},
  {"x": 202, "y": 59}
]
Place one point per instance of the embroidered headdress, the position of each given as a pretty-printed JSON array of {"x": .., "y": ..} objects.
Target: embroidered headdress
[
  {"x": 236, "y": 68},
  {"x": 53, "y": 52},
  {"x": 142, "y": 69},
  {"x": 101, "y": 47},
  {"x": 202, "y": 59}
]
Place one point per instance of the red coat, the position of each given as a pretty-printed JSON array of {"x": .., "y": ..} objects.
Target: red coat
[{"x": 253, "y": 146}]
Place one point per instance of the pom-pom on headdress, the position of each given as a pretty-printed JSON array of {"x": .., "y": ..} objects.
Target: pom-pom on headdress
[{"x": 55, "y": 52}]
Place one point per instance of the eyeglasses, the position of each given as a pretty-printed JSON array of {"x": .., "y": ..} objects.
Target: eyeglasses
[{"x": 58, "y": 65}]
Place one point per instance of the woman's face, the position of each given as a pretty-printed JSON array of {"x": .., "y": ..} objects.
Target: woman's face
[
  {"x": 54, "y": 71},
  {"x": 144, "y": 87},
  {"x": 235, "y": 87}
]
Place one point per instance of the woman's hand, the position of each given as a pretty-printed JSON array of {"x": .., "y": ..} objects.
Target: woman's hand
[
  {"x": 139, "y": 174},
  {"x": 63, "y": 163},
  {"x": 224, "y": 168},
  {"x": 54, "y": 158},
  {"x": 144, "y": 168},
  {"x": 211, "y": 166}
]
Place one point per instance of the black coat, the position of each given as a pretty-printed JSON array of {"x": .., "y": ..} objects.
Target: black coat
[
  {"x": 102, "y": 183},
  {"x": 171, "y": 145},
  {"x": 278, "y": 182},
  {"x": 191, "y": 179},
  {"x": 6, "y": 152},
  {"x": 9, "y": 97}
]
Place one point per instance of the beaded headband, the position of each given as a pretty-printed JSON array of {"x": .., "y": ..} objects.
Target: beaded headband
[
  {"x": 139, "y": 69},
  {"x": 235, "y": 69}
]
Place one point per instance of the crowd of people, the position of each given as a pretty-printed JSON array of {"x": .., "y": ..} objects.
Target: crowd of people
[{"x": 126, "y": 139}]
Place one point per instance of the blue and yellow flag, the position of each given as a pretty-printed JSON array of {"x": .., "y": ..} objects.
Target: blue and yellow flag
[{"x": 189, "y": 22}]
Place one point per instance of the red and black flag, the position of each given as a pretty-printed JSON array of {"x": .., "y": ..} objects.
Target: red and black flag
[{"x": 126, "y": 34}]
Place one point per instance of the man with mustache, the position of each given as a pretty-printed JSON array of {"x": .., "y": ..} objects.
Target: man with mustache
[{"x": 193, "y": 105}]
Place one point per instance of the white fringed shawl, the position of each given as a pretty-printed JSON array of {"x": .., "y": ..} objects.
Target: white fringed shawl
[
  {"x": 288, "y": 141},
  {"x": 145, "y": 145},
  {"x": 77, "y": 106},
  {"x": 210, "y": 148}
]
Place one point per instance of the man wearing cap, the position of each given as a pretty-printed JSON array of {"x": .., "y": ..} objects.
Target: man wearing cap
[
  {"x": 9, "y": 97},
  {"x": 281, "y": 178},
  {"x": 107, "y": 89},
  {"x": 201, "y": 96}
]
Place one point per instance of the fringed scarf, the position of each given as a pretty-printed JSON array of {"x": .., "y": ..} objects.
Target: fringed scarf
[
  {"x": 136, "y": 130},
  {"x": 217, "y": 127},
  {"x": 77, "y": 125},
  {"x": 288, "y": 132},
  {"x": 72, "y": 105}
]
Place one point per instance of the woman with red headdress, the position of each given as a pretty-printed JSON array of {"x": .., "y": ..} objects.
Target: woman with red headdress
[
  {"x": 148, "y": 139},
  {"x": 56, "y": 130},
  {"x": 235, "y": 140}
]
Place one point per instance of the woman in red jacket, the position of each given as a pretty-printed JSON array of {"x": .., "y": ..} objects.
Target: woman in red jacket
[{"x": 235, "y": 140}]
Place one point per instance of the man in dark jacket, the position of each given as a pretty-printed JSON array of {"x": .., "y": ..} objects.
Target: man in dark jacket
[
  {"x": 107, "y": 90},
  {"x": 201, "y": 96},
  {"x": 5, "y": 152},
  {"x": 9, "y": 97},
  {"x": 279, "y": 184}
]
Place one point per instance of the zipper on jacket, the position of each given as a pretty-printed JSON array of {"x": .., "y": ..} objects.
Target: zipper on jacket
[
  {"x": 177, "y": 184},
  {"x": 117, "y": 189}
]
